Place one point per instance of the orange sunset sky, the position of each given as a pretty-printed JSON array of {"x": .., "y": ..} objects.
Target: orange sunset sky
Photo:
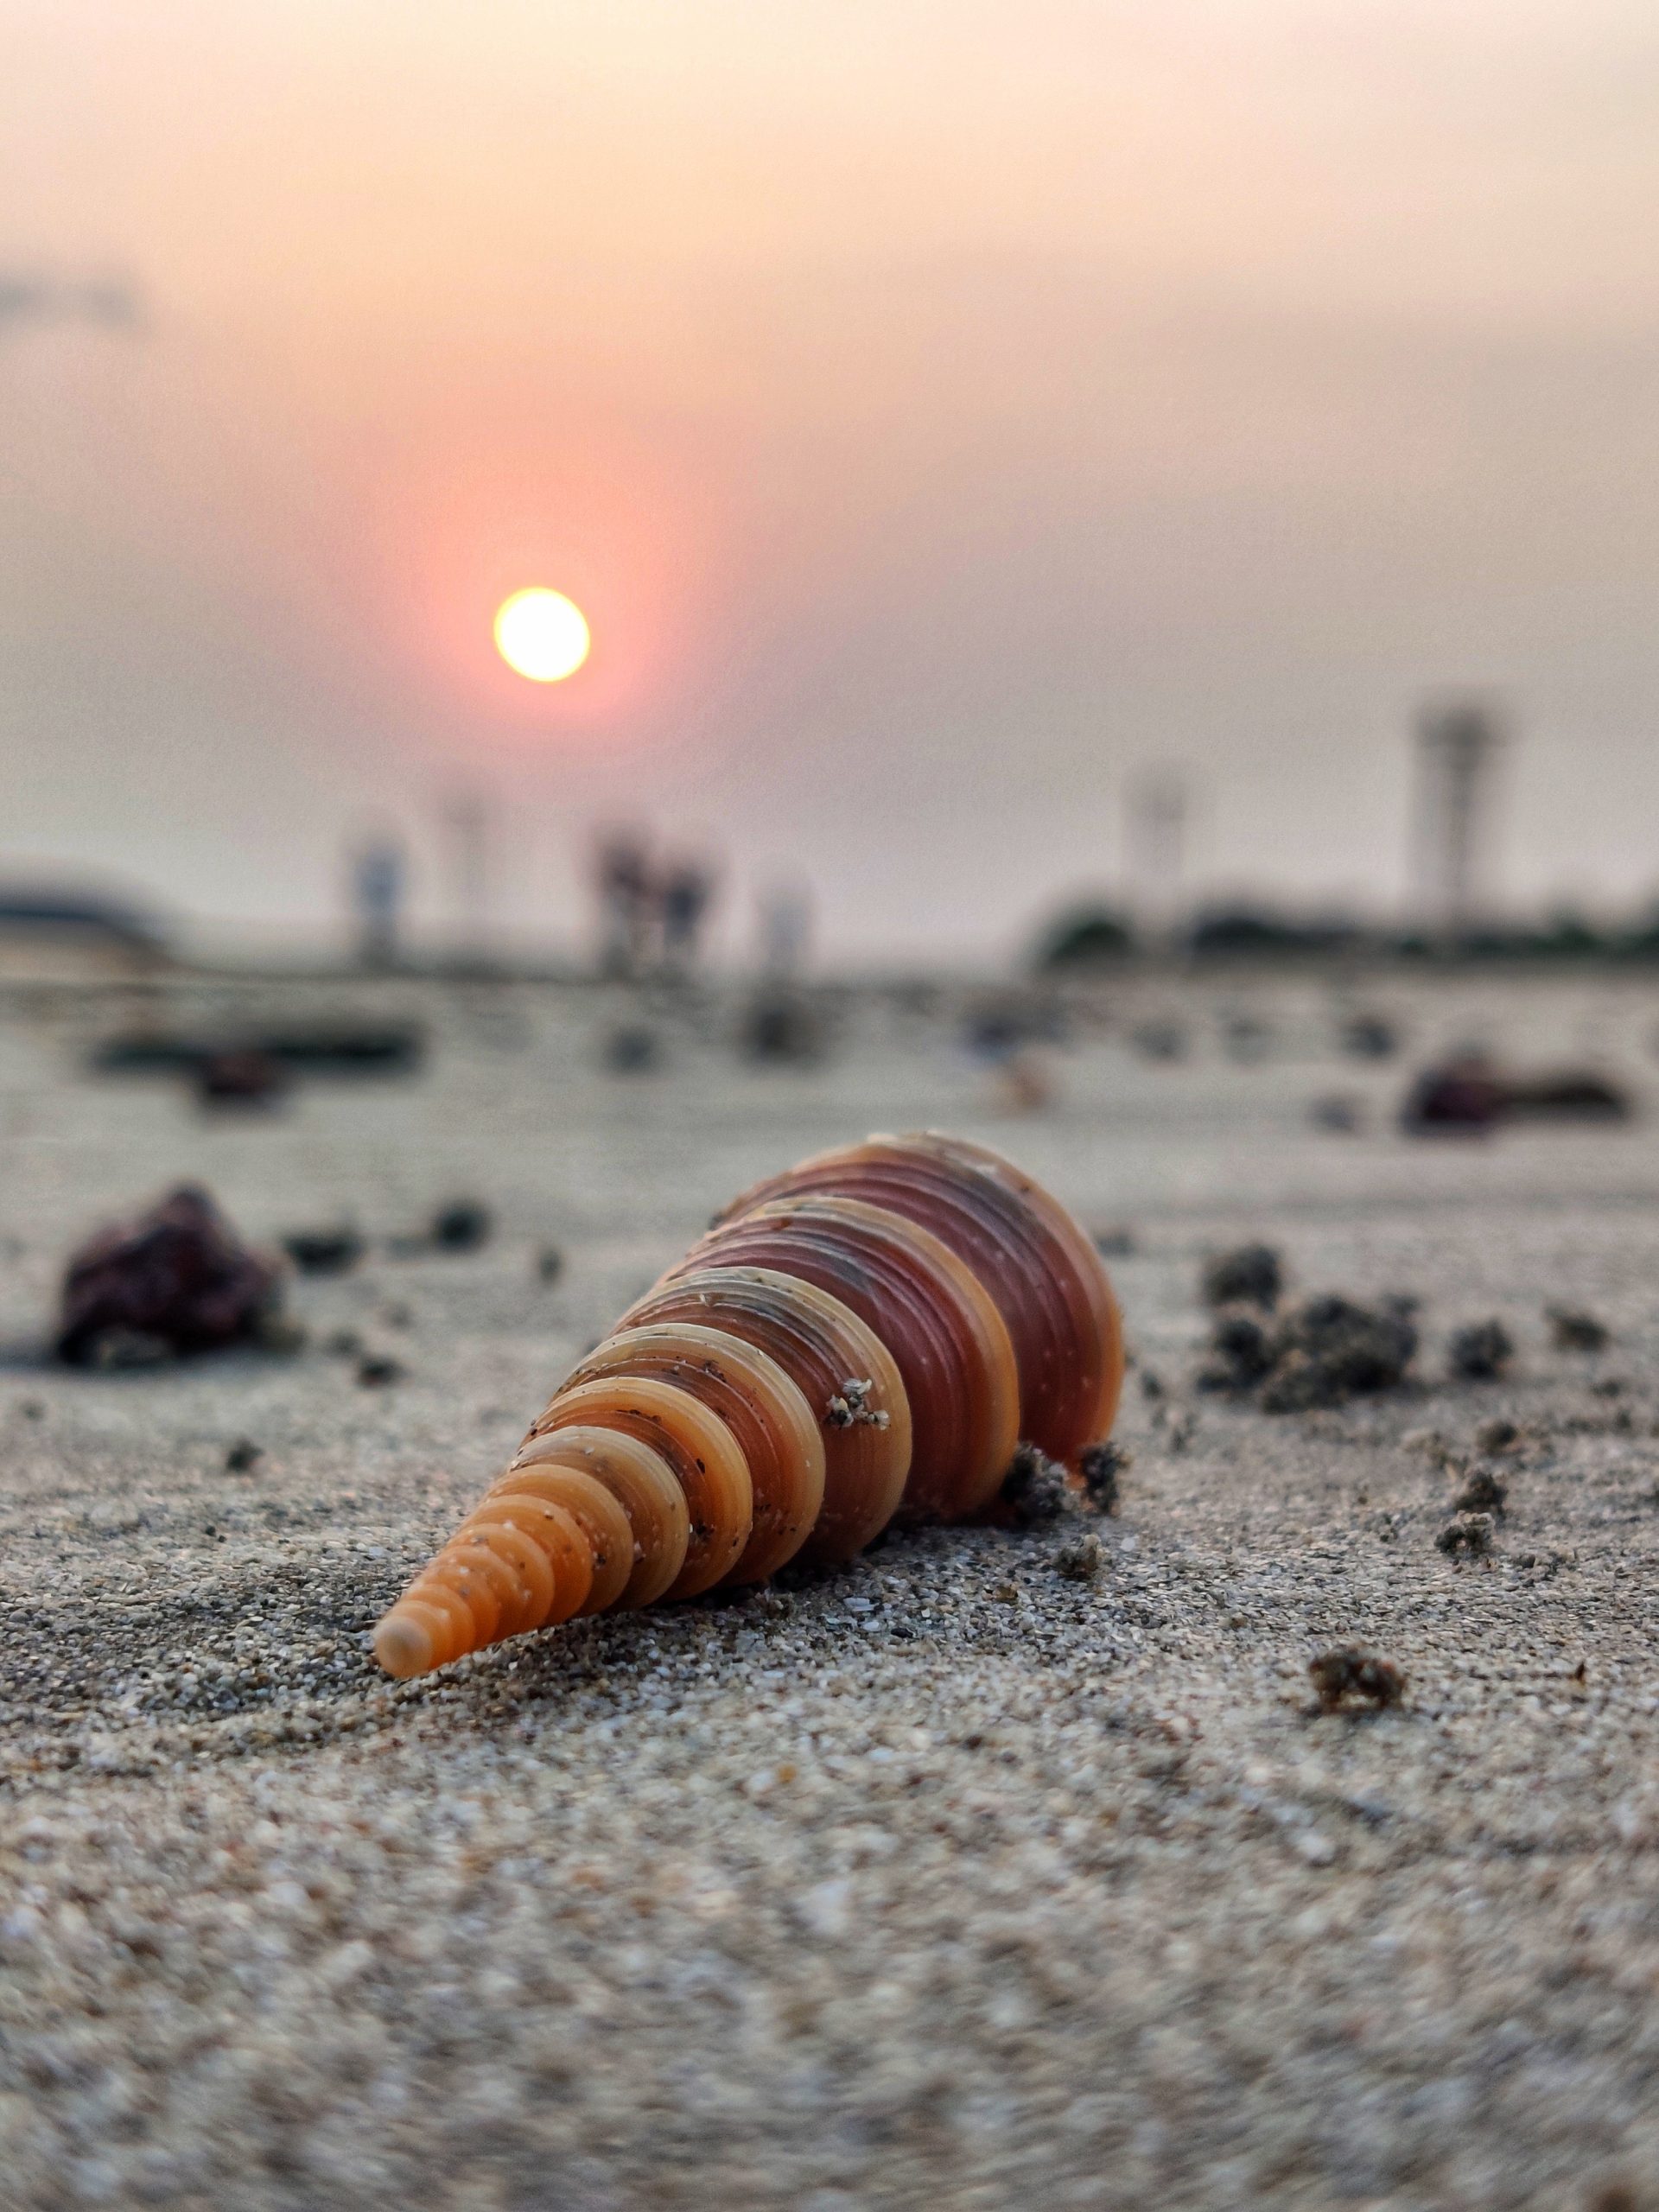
[{"x": 941, "y": 414}]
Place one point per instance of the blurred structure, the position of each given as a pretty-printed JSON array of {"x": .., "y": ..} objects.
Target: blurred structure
[
  {"x": 785, "y": 930},
  {"x": 52, "y": 936},
  {"x": 378, "y": 881},
  {"x": 650, "y": 916},
  {"x": 1155, "y": 839},
  {"x": 782, "y": 1023},
  {"x": 684, "y": 895},
  {"x": 1262, "y": 933},
  {"x": 110, "y": 302},
  {"x": 341, "y": 1048},
  {"x": 1458, "y": 748},
  {"x": 1084, "y": 938},
  {"x": 625, "y": 904}
]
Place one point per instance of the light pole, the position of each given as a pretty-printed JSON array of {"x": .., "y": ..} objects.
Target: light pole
[{"x": 1458, "y": 745}]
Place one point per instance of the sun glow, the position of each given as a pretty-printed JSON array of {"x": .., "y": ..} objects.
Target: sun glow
[{"x": 542, "y": 634}]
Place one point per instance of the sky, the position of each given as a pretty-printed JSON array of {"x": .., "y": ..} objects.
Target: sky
[{"x": 947, "y": 417}]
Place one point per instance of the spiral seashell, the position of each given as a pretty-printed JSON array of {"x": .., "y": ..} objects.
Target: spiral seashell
[
  {"x": 868, "y": 1336},
  {"x": 1040, "y": 1270}
]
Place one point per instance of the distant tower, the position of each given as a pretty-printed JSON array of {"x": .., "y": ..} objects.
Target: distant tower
[
  {"x": 1156, "y": 837},
  {"x": 376, "y": 900},
  {"x": 1458, "y": 748}
]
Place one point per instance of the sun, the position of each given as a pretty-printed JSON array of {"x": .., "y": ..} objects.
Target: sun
[{"x": 542, "y": 634}]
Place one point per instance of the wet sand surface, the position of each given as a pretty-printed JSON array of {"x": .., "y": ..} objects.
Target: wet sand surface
[{"x": 944, "y": 1879}]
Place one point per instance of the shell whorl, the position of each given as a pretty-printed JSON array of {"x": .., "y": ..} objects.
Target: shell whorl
[{"x": 868, "y": 1335}]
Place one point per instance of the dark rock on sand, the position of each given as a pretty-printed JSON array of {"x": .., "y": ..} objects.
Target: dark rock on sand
[
  {"x": 177, "y": 1275},
  {"x": 1242, "y": 1349},
  {"x": 1497, "y": 1434},
  {"x": 1250, "y": 1275},
  {"x": 1483, "y": 1490},
  {"x": 1573, "y": 1330},
  {"x": 1101, "y": 1466},
  {"x": 1035, "y": 1489},
  {"x": 1469, "y": 1093},
  {"x": 241, "y": 1078},
  {"x": 332, "y": 1251},
  {"x": 1329, "y": 1350},
  {"x": 1461, "y": 1094},
  {"x": 1467, "y": 1535},
  {"x": 1350, "y": 1670},
  {"x": 330, "y": 1049},
  {"x": 1321, "y": 1352},
  {"x": 1082, "y": 1558},
  {"x": 462, "y": 1225},
  {"x": 1568, "y": 1095},
  {"x": 1480, "y": 1352}
]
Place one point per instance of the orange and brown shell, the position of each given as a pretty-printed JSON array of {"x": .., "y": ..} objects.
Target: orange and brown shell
[{"x": 868, "y": 1336}]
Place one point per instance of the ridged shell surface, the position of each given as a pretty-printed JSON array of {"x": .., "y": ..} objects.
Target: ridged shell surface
[
  {"x": 868, "y": 1336},
  {"x": 1039, "y": 1269}
]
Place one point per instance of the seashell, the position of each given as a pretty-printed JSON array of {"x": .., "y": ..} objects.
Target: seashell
[
  {"x": 821, "y": 1344},
  {"x": 1040, "y": 1269},
  {"x": 868, "y": 1336},
  {"x": 936, "y": 1318}
]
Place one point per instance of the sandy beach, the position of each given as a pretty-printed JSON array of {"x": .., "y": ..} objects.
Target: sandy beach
[{"x": 946, "y": 1880}]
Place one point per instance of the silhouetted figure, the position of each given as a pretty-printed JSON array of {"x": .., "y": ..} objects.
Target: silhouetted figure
[
  {"x": 683, "y": 898},
  {"x": 627, "y": 900}
]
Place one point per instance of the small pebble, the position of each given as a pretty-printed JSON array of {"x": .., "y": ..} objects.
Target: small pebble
[
  {"x": 1035, "y": 1489},
  {"x": 1250, "y": 1275},
  {"x": 1467, "y": 1535},
  {"x": 1571, "y": 1329},
  {"x": 1498, "y": 1435},
  {"x": 332, "y": 1251},
  {"x": 1484, "y": 1491},
  {"x": 1351, "y": 1670},
  {"x": 462, "y": 1225},
  {"x": 1101, "y": 1466},
  {"x": 1480, "y": 1352},
  {"x": 1081, "y": 1560}
]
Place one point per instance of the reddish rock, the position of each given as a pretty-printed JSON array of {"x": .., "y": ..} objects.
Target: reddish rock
[{"x": 177, "y": 1275}]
